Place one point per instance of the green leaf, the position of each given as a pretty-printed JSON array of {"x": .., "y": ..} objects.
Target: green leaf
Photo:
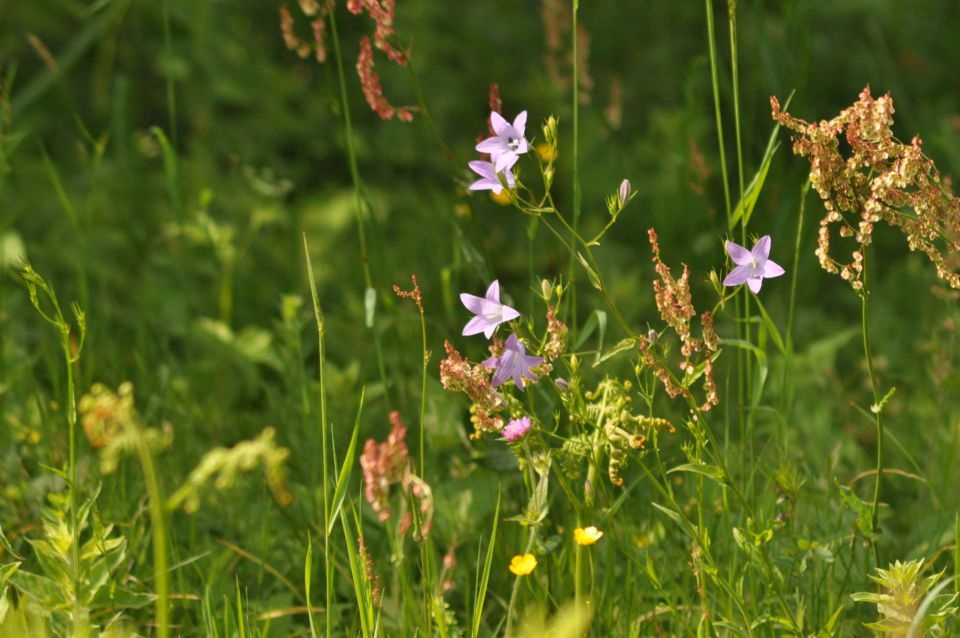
[
  {"x": 623, "y": 346},
  {"x": 762, "y": 368},
  {"x": 669, "y": 512},
  {"x": 710, "y": 471},
  {"x": 860, "y": 508},
  {"x": 169, "y": 170},
  {"x": 343, "y": 479},
  {"x": 307, "y": 581},
  {"x": 591, "y": 273},
  {"x": 746, "y": 205},
  {"x": 771, "y": 327},
  {"x": 361, "y": 587},
  {"x": 596, "y": 320},
  {"x": 485, "y": 576}
]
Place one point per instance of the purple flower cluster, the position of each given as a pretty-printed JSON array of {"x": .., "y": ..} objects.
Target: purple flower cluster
[
  {"x": 505, "y": 148},
  {"x": 514, "y": 362},
  {"x": 509, "y": 362}
]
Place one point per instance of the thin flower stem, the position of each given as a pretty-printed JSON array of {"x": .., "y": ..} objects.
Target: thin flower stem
[
  {"x": 575, "y": 9},
  {"x": 423, "y": 388},
  {"x": 735, "y": 73},
  {"x": 794, "y": 275},
  {"x": 715, "y": 79},
  {"x": 578, "y": 570},
  {"x": 357, "y": 186},
  {"x": 396, "y": 551},
  {"x": 74, "y": 474},
  {"x": 742, "y": 357},
  {"x": 877, "y": 408},
  {"x": 161, "y": 574},
  {"x": 36, "y": 285},
  {"x": 744, "y": 315},
  {"x": 603, "y": 289},
  {"x": 324, "y": 435},
  {"x": 531, "y": 538}
]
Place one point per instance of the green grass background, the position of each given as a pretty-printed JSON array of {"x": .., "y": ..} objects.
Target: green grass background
[{"x": 259, "y": 149}]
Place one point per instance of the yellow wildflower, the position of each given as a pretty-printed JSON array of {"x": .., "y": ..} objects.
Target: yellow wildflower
[
  {"x": 587, "y": 535},
  {"x": 547, "y": 152},
  {"x": 523, "y": 565},
  {"x": 502, "y": 198}
]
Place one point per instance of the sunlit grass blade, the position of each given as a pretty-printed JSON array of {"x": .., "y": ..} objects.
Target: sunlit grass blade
[
  {"x": 343, "y": 479},
  {"x": 169, "y": 172},
  {"x": 361, "y": 586},
  {"x": 484, "y": 580},
  {"x": 307, "y": 580}
]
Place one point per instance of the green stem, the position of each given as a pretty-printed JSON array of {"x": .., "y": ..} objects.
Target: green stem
[
  {"x": 715, "y": 79},
  {"x": 74, "y": 474},
  {"x": 877, "y": 408},
  {"x": 158, "y": 522},
  {"x": 171, "y": 86},
  {"x": 324, "y": 435},
  {"x": 531, "y": 538},
  {"x": 357, "y": 187},
  {"x": 794, "y": 275},
  {"x": 423, "y": 388},
  {"x": 735, "y": 76},
  {"x": 575, "y": 8},
  {"x": 732, "y": 15}
]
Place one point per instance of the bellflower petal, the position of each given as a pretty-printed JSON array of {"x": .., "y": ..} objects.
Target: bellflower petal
[
  {"x": 489, "y": 312},
  {"x": 513, "y": 363},
  {"x": 772, "y": 269},
  {"x": 498, "y": 123},
  {"x": 761, "y": 250},
  {"x": 737, "y": 276},
  {"x": 493, "y": 292},
  {"x": 508, "y": 313},
  {"x": 475, "y": 326},
  {"x": 505, "y": 161},
  {"x": 754, "y": 284},
  {"x": 492, "y": 145},
  {"x": 520, "y": 123},
  {"x": 473, "y": 303},
  {"x": 489, "y": 180},
  {"x": 740, "y": 255}
]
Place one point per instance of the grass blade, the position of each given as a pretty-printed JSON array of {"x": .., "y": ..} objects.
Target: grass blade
[{"x": 343, "y": 478}]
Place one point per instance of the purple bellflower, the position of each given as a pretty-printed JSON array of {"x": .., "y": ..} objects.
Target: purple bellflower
[
  {"x": 753, "y": 266},
  {"x": 514, "y": 363},
  {"x": 515, "y": 430},
  {"x": 508, "y": 143},
  {"x": 489, "y": 312},
  {"x": 488, "y": 177}
]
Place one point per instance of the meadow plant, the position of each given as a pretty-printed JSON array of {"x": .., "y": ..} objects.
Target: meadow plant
[
  {"x": 880, "y": 179},
  {"x": 650, "y": 478}
]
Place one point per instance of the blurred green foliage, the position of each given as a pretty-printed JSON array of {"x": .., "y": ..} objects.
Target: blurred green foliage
[{"x": 160, "y": 160}]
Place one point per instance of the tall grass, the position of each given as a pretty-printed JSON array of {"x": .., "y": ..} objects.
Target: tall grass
[{"x": 703, "y": 469}]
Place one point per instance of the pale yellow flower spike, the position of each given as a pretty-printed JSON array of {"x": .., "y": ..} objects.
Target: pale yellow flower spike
[
  {"x": 523, "y": 565},
  {"x": 587, "y": 535}
]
